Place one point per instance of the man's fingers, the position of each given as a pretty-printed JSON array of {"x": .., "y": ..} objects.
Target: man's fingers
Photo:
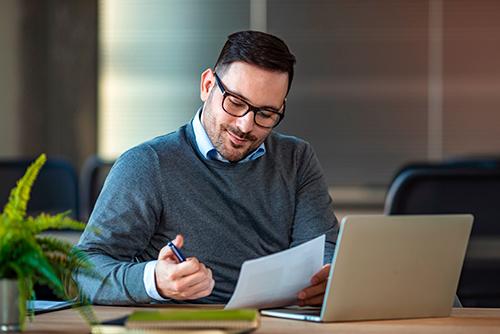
[
  {"x": 314, "y": 301},
  {"x": 199, "y": 287},
  {"x": 186, "y": 268},
  {"x": 192, "y": 280},
  {"x": 321, "y": 275},
  {"x": 166, "y": 252},
  {"x": 204, "y": 292},
  {"x": 196, "y": 285},
  {"x": 178, "y": 241},
  {"x": 312, "y": 291}
]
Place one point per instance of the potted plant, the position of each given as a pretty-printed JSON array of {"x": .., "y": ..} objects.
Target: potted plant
[{"x": 26, "y": 257}]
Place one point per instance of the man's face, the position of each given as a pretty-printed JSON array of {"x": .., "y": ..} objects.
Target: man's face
[{"x": 235, "y": 137}]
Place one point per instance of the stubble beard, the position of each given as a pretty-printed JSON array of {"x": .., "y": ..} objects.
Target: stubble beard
[
  {"x": 219, "y": 136},
  {"x": 233, "y": 153}
]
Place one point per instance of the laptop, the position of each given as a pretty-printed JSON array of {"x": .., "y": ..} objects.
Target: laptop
[{"x": 391, "y": 267}]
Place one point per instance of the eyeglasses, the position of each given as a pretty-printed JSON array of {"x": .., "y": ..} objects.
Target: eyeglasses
[{"x": 237, "y": 107}]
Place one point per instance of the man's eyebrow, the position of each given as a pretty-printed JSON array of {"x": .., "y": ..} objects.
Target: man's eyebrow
[{"x": 248, "y": 101}]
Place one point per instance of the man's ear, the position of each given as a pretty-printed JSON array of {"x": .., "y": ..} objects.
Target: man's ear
[{"x": 206, "y": 84}]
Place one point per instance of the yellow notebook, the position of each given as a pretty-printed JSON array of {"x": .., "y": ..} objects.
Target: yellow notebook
[
  {"x": 183, "y": 321},
  {"x": 239, "y": 319},
  {"x": 110, "y": 329}
]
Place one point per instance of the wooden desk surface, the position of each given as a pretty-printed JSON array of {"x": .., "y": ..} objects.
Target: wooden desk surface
[{"x": 466, "y": 320}]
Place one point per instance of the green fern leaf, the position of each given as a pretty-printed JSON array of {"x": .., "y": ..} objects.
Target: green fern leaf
[
  {"x": 17, "y": 204},
  {"x": 52, "y": 244},
  {"x": 44, "y": 222},
  {"x": 35, "y": 261}
]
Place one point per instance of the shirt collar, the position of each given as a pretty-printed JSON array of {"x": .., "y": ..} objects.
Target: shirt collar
[{"x": 208, "y": 150}]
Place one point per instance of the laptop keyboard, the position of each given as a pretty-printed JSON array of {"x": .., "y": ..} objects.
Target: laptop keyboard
[{"x": 301, "y": 310}]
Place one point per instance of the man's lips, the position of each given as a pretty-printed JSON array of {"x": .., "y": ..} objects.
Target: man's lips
[{"x": 235, "y": 139}]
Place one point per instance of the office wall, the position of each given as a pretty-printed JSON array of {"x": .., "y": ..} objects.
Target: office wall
[
  {"x": 9, "y": 77},
  {"x": 360, "y": 93},
  {"x": 151, "y": 56},
  {"x": 381, "y": 83},
  {"x": 471, "y": 74},
  {"x": 58, "y": 74},
  {"x": 378, "y": 83}
]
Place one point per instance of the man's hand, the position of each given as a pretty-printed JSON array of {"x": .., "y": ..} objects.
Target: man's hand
[
  {"x": 314, "y": 294},
  {"x": 181, "y": 281}
]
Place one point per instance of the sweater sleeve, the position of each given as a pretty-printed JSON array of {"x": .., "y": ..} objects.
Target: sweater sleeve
[
  {"x": 314, "y": 213},
  {"x": 122, "y": 223}
]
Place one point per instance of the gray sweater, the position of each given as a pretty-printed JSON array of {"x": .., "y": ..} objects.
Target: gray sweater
[{"x": 227, "y": 212}]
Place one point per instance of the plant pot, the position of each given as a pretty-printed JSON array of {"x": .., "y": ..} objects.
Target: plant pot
[{"x": 9, "y": 306}]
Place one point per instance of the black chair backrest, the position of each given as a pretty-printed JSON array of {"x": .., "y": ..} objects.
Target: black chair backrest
[
  {"x": 54, "y": 191},
  {"x": 438, "y": 189},
  {"x": 92, "y": 177}
]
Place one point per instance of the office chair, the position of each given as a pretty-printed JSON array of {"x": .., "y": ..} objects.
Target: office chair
[
  {"x": 438, "y": 189},
  {"x": 92, "y": 177},
  {"x": 483, "y": 163},
  {"x": 54, "y": 191}
]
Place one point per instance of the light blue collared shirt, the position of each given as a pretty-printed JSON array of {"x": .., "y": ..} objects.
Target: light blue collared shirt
[{"x": 208, "y": 150}]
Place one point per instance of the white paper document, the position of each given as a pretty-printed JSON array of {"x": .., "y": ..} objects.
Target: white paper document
[{"x": 275, "y": 280}]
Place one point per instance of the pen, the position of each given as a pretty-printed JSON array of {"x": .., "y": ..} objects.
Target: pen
[{"x": 176, "y": 252}]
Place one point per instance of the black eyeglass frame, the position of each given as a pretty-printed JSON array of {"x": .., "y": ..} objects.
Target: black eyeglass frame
[{"x": 226, "y": 93}]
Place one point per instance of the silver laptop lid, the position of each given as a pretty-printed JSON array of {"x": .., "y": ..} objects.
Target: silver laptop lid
[{"x": 388, "y": 267}]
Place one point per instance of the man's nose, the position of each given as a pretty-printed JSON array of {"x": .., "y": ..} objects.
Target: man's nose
[{"x": 245, "y": 123}]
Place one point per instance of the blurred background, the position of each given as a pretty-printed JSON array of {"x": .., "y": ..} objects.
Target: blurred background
[{"x": 379, "y": 85}]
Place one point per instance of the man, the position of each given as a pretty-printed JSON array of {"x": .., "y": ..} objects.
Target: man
[{"x": 225, "y": 187}]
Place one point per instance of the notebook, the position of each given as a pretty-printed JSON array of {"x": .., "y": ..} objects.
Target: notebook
[
  {"x": 391, "y": 267},
  {"x": 184, "y": 320}
]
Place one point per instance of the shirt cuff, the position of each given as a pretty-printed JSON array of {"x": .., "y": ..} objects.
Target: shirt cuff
[{"x": 149, "y": 281}]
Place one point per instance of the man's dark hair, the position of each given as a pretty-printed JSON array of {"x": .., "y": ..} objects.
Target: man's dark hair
[{"x": 257, "y": 48}]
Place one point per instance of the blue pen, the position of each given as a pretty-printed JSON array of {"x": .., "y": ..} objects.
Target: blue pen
[{"x": 176, "y": 252}]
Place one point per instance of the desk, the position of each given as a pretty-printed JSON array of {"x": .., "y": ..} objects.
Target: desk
[{"x": 466, "y": 320}]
